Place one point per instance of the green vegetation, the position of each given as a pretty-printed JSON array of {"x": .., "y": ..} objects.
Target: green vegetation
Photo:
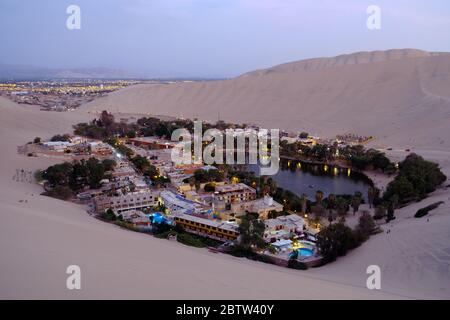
[
  {"x": 59, "y": 137},
  {"x": 39, "y": 176},
  {"x": 109, "y": 215},
  {"x": 72, "y": 177},
  {"x": 424, "y": 211},
  {"x": 295, "y": 264},
  {"x": 355, "y": 156},
  {"x": 356, "y": 202},
  {"x": 242, "y": 251},
  {"x": 210, "y": 187},
  {"x": 417, "y": 177},
  {"x": 303, "y": 135},
  {"x": 211, "y": 175},
  {"x": 37, "y": 140},
  {"x": 380, "y": 212},
  {"x": 337, "y": 239},
  {"x": 104, "y": 127},
  {"x": 163, "y": 231},
  {"x": 366, "y": 227},
  {"x": 251, "y": 231},
  {"x": 120, "y": 147},
  {"x": 190, "y": 240},
  {"x": 59, "y": 192},
  {"x": 143, "y": 165}
]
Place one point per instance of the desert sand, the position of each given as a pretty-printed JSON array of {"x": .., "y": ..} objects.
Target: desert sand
[
  {"x": 399, "y": 96},
  {"x": 41, "y": 236}
]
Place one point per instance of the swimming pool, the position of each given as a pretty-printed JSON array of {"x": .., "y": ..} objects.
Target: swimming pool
[{"x": 305, "y": 252}]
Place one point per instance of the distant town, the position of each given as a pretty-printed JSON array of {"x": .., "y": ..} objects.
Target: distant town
[{"x": 65, "y": 94}]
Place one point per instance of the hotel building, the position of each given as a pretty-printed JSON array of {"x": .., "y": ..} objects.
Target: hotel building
[
  {"x": 232, "y": 193},
  {"x": 218, "y": 230},
  {"x": 125, "y": 202}
]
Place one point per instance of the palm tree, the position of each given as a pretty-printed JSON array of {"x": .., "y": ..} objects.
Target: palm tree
[
  {"x": 342, "y": 206},
  {"x": 319, "y": 197},
  {"x": 192, "y": 181},
  {"x": 303, "y": 203},
  {"x": 331, "y": 203},
  {"x": 356, "y": 202},
  {"x": 371, "y": 195}
]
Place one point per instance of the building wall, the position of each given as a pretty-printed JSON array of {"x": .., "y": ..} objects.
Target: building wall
[
  {"x": 205, "y": 230},
  {"x": 130, "y": 201}
]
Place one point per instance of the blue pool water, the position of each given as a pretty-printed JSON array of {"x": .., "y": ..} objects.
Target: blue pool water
[
  {"x": 158, "y": 218},
  {"x": 305, "y": 252}
]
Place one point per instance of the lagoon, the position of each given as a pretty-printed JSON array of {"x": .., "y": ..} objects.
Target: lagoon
[{"x": 302, "y": 177}]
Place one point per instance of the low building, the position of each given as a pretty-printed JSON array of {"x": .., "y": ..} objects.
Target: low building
[
  {"x": 262, "y": 207},
  {"x": 58, "y": 146},
  {"x": 177, "y": 204},
  {"x": 232, "y": 193},
  {"x": 123, "y": 169},
  {"x": 100, "y": 148},
  {"x": 283, "y": 227},
  {"x": 126, "y": 202},
  {"x": 214, "y": 229},
  {"x": 136, "y": 217},
  {"x": 152, "y": 143}
]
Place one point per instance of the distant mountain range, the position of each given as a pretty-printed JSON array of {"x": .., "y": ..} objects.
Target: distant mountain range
[{"x": 24, "y": 72}]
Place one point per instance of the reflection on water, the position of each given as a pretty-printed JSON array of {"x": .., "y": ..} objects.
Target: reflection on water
[{"x": 307, "y": 178}]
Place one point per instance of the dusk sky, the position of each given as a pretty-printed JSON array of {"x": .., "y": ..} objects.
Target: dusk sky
[{"x": 210, "y": 38}]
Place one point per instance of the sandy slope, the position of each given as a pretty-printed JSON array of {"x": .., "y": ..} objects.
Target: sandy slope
[
  {"x": 400, "y": 96},
  {"x": 40, "y": 237}
]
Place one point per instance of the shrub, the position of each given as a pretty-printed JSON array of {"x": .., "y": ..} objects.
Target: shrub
[
  {"x": 303, "y": 135},
  {"x": 417, "y": 178},
  {"x": 366, "y": 227},
  {"x": 424, "y": 211},
  {"x": 380, "y": 212},
  {"x": 109, "y": 215},
  {"x": 38, "y": 175},
  {"x": 295, "y": 264},
  {"x": 165, "y": 234},
  {"x": 126, "y": 225},
  {"x": 335, "y": 240},
  {"x": 59, "y": 137},
  {"x": 190, "y": 240},
  {"x": 210, "y": 187},
  {"x": 59, "y": 192}
]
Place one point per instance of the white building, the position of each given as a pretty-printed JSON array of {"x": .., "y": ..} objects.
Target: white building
[
  {"x": 283, "y": 227},
  {"x": 125, "y": 202},
  {"x": 177, "y": 204},
  {"x": 58, "y": 146}
]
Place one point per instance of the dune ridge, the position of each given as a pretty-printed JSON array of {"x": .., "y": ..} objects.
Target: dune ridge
[{"x": 377, "y": 93}]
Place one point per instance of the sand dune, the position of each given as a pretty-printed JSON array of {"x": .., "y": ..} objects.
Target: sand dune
[
  {"x": 39, "y": 238},
  {"x": 400, "y": 96}
]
